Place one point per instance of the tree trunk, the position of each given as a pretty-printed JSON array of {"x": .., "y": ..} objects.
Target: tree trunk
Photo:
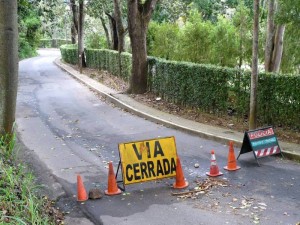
[
  {"x": 8, "y": 64},
  {"x": 119, "y": 24},
  {"x": 139, "y": 15},
  {"x": 81, "y": 60},
  {"x": 74, "y": 28},
  {"x": 120, "y": 30},
  {"x": 254, "y": 74},
  {"x": 241, "y": 49},
  {"x": 274, "y": 41},
  {"x": 139, "y": 78},
  {"x": 278, "y": 48},
  {"x": 106, "y": 32},
  {"x": 73, "y": 34},
  {"x": 270, "y": 36},
  {"x": 114, "y": 32}
]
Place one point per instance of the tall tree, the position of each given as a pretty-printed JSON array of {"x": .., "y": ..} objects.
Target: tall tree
[
  {"x": 74, "y": 26},
  {"x": 170, "y": 11},
  {"x": 81, "y": 58},
  {"x": 113, "y": 10},
  {"x": 120, "y": 27},
  {"x": 113, "y": 31},
  {"x": 29, "y": 25},
  {"x": 8, "y": 64},
  {"x": 274, "y": 40},
  {"x": 242, "y": 20},
  {"x": 99, "y": 9},
  {"x": 139, "y": 15},
  {"x": 287, "y": 13},
  {"x": 254, "y": 73},
  {"x": 278, "y": 48},
  {"x": 270, "y": 34},
  {"x": 106, "y": 31}
]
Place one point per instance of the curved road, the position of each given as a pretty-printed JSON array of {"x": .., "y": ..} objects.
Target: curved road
[{"x": 65, "y": 129}]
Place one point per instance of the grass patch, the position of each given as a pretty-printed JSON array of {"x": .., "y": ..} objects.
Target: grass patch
[{"x": 20, "y": 202}]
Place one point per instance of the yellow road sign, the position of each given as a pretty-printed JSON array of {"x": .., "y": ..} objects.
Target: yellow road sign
[{"x": 148, "y": 159}]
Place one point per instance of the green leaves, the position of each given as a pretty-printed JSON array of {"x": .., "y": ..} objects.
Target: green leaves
[
  {"x": 223, "y": 43},
  {"x": 69, "y": 53},
  {"x": 105, "y": 59},
  {"x": 96, "y": 41},
  {"x": 164, "y": 39},
  {"x": 29, "y": 28}
]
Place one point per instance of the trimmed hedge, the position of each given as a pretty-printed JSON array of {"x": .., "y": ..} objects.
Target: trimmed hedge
[
  {"x": 201, "y": 86},
  {"x": 279, "y": 99},
  {"x": 105, "y": 59},
  {"x": 69, "y": 53},
  {"x": 53, "y": 43},
  {"x": 208, "y": 88}
]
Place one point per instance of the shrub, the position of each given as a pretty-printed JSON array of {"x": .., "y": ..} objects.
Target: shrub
[
  {"x": 164, "y": 41},
  {"x": 53, "y": 43},
  {"x": 194, "y": 41},
  {"x": 96, "y": 41},
  {"x": 29, "y": 30},
  {"x": 19, "y": 193},
  {"x": 105, "y": 59},
  {"x": 69, "y": 53},
  {"x": 279, "y": 99},
  {"x": 201, "y": 86},
  {"x": 225, "y": 51},
  {"x": 214, "y": 89}
]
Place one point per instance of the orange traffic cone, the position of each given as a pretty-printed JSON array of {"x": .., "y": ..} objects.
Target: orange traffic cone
[
  {"x": 81, "y": 192},
  {"x": 180, "y": 180},
  {"x": 231, "y": 165},
  {"x": 112, "y": 188},
  {"x": 214, "y": 169}
]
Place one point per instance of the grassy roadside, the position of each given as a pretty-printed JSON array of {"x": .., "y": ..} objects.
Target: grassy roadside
[{"x": 20, "y": 202}]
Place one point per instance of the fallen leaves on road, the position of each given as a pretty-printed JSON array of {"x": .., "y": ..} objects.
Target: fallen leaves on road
[{"x": 201, "y": 188}]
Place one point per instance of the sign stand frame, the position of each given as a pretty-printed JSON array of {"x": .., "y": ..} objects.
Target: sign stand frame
[
  {"x": 247, "y": 144},
  {"x": 120, "y": 181}
]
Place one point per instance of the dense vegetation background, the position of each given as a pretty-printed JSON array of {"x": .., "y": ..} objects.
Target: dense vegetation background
[{"x": 215, "y": 32}]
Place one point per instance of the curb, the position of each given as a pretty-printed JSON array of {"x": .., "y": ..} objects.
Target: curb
[{"x": 113, "y": 98}]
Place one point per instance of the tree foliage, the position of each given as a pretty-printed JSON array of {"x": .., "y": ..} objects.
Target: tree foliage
[
  {"x": 197, "y": 40},
  {"x": 225, "y": 50},
  {"x": 227, "y": 41},
  {"x": 243, "y": 23},
  {"x": 168, "y": 11},
  {"x": 289, "y": 14},
  {"x": 29, "y": 28},
  {"x": 163, "y": 39}
]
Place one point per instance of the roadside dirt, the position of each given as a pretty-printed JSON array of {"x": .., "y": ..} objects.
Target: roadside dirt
[{"x": 228, "y": 121}]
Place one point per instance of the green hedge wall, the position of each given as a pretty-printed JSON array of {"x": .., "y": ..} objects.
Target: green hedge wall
[
  {"x": 105, "y": 59},
  {"x": 201, "y": 86},
  {"x": 279, "y": 99},
  {"x": 208, "y": 88},
  {"x": 69, "y": 53},
  {"x": 53, "y": 43}
]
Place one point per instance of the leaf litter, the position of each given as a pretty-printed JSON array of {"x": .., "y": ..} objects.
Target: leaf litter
[
  {"x": 245, "y": 206},
  {"x": 202, "y": 187}
]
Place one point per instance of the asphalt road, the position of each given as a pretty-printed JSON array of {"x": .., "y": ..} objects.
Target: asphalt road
[{"x": 65, "y": 129}]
